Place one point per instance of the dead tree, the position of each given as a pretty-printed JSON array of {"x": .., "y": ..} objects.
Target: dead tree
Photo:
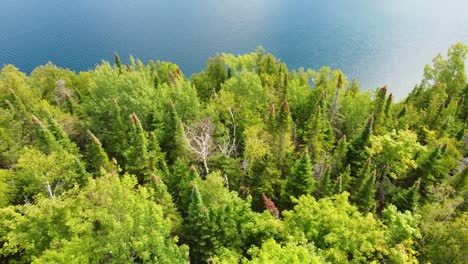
[{"x": 200, "y": 140}]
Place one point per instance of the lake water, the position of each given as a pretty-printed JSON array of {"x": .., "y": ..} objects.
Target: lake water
[{"x": 377, "y": 42}]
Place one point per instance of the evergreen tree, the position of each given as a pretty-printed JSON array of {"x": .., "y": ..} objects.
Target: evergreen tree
[
  {"x": 325, "y": 185},
  {"x": 137, "y": 158},
  {"x": 339, "y": 156},
  {"x": 428, "y": 170},
  {"x": 364, "y": 198},
  {"x": 117, "y": 62},
  {"x": 301, "y": 180},
  {"x": 407, "y": 199},
  {"x": 197, "y": 229},
  {"x": 357, "y": 151},
  {"x": 96, "y": 156},
  {"x": 60, "y": 136},
  {"x": 162, "y": 197},
  {"x": 70, "y": 104},
  {"x": 156, "y": 158},
  {"x": 115, "y": 136},
  {"x": 379, "y": 110},
  {"x": 343, "y": 182},
  {"x": 283, "y": 145},
  {"x": 45, "y": 139},
  {"x": 319, "y": 135}
]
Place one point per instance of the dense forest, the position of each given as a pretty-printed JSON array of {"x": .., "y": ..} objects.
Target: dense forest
[{"x": 245, "y": 162}]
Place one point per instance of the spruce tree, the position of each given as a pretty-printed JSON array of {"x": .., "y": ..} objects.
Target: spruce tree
[
  {"x": 197, "y": 229},
  {"x": 115, "y": 138},
  {"x": 45, "y": 139},
  {"x": 343, "y": 182},
  {"x": 117, "y": 62},
  {"x": 283, "y": 134},
  {"x": 60, "y": 135},
  {"x": 379, "y": 109},
  {"x": 325, "y": 185},
  {"x": 339, "y": 156},
  {"x": 364, "y": 198},
  {"x": 407, "y": 199},
  {"x": 301, "y": 180},
  {"x": 96, "y": 157},
  {"x": 162, "y": 197},
  {"x": 388, "y": 106},
  {"x": 70, "y": 104},
  {"x": 357, "y": 153},
  {"x": 155, "y": 156},
  {"x": 136, "y": 155}
]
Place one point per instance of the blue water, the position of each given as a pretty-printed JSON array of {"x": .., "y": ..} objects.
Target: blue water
[{"x": 377, "y": 42}]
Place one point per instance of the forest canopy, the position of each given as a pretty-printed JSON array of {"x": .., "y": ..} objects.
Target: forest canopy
[{"x": 245, "y": 162}]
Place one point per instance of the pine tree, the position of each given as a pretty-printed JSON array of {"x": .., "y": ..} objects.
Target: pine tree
[{"x": 96, "y": 157}]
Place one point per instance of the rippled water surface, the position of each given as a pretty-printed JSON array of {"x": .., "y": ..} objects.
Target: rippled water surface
[{"x": 377, "y": 42}]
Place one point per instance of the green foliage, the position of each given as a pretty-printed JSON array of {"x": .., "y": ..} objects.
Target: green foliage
[
  {"x": 341, "y": 233},
  {"x": 301, "y": 181},
  {"x": 45, "y": 174},
  {"x": 209, "y": 81},
  {"x": 272, "y": 252},
  {"x": 108, "y": 221},
  {"x": 262, "y": 136}
]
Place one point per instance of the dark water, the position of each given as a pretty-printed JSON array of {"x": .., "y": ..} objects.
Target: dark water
[{"x": 377, "y": 42}]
